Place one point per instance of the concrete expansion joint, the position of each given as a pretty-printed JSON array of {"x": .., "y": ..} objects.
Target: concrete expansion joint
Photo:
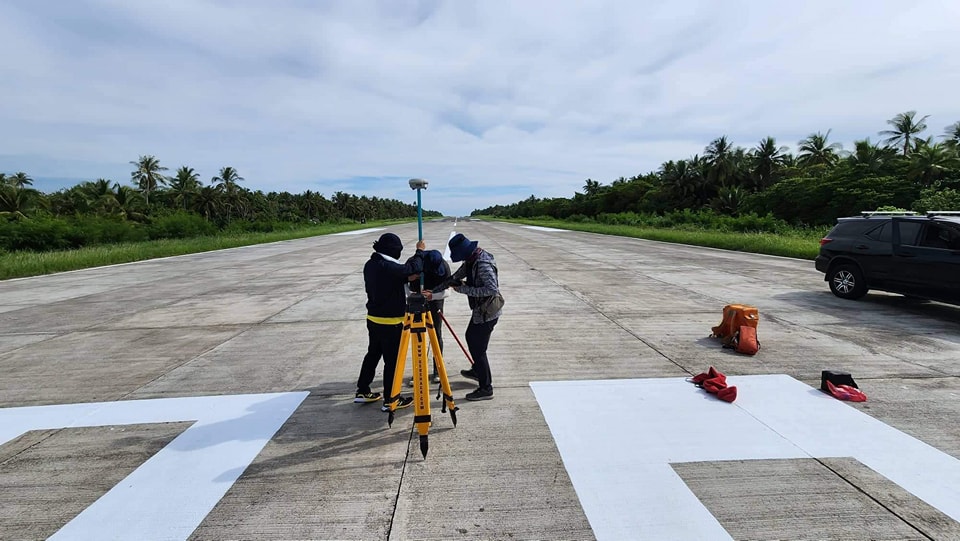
[
  {"x": 874, "y": 499},
  {"x": 49, "y": 435},
  {"x": 403, "y": 473}
]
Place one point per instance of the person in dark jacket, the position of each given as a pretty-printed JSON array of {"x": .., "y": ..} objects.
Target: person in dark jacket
[
  {"x": 477, "y": 279},
  {"x": 385, "y": 278},
  {"x": 435, "y": 271}
]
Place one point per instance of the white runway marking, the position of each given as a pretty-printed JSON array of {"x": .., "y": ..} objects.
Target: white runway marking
[
  {"x": 446, "y": 250},
  {"x": 539, "y": 228},
  {"x": 169, "y": 495},
  {"x": 618, "y": 451},
  {"x": 360, "y": 231}
]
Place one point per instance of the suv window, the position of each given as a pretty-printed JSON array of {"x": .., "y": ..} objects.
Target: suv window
[
  {"x": 851, "y": 228},
  {"x": 882, "y": 233},
  {"x": 940, "y": 236},
  {"x": 909, "y": 232}
]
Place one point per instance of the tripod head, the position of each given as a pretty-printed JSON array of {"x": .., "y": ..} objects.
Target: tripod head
[{"x": 416, "y": 304}]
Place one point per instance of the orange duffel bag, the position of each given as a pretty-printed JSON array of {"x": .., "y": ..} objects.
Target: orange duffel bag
[{"x": 734, "y": 317}]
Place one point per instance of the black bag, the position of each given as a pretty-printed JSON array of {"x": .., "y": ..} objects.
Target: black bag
[{"x": 491, "y": 305}]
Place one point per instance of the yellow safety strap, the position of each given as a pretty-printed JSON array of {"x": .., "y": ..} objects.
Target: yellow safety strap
[{"x": 386, "y": 320}]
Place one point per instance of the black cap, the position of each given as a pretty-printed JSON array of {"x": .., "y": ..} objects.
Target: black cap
[{"x": 389, "y": 244}]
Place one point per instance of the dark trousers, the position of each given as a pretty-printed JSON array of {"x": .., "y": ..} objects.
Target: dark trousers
[
  {"x": 478, "y": 337},
  {"x": 436, "y": 309},
  {"x": 384, "y": 341}
]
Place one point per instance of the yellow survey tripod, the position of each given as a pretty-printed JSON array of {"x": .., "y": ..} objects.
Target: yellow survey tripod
[{"x": 417, "y": 329}]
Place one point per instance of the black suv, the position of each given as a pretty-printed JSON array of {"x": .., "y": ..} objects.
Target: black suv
[{"x": 901, "y": 253}]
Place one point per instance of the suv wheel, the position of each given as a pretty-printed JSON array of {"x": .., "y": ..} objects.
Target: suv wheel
[{"x": 846, "y": 281}]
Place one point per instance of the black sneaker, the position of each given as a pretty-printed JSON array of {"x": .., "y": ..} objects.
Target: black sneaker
[
  {"x": 404, "y": 402},
  {"x": 363, "y": 398},
  {"x": 480, "y": 394},
  {"x": 469, "y": 374}
]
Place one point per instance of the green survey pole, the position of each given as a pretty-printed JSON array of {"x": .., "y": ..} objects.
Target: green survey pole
[{"x": 419, "y": 184}]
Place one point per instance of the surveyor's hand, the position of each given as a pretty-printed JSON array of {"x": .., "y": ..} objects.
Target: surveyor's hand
[
  {"x": 427, "y": 294},
  {"x": 413, "y": 277},
  {"x": 421, "y": 245}
]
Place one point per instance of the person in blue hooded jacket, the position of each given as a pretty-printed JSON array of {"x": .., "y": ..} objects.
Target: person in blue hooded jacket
[
  {"x": 435, "y": 271},
  {"x": 385, "y": 279}
]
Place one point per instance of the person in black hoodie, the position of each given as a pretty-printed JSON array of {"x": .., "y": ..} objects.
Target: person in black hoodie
[{"x": 385, "y": 278}]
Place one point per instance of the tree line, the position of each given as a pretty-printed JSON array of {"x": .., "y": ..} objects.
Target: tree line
[
  {"x": 818, "y": 184},
  {"x": 177, "y": 205}
]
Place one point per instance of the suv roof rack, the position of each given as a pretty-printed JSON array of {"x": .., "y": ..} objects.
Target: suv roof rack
[
  {"x": 931, "y": 213},
  {"x": 869, "y": 213}
]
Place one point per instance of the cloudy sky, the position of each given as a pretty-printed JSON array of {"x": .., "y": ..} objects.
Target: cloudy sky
[{"x": 490, "y": 101}]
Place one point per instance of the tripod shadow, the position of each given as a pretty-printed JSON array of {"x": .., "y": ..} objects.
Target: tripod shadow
[{"x": 328, "y": 425}]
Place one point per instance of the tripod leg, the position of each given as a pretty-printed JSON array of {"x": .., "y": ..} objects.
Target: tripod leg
[
  {"x": 442, "y": 372},
  {"x": 421, "y": 382},
  {"x": 398, "y": 370}
]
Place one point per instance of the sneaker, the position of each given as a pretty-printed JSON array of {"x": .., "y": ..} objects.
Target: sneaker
[
  {"x": 404, "y": 402},
  {"x": 480, "y": 394},
  {"x": 469, "y": 374},
  {"x": 363, "y": 398}
]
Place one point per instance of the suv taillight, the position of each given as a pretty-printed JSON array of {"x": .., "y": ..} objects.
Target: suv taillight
[{"x": 825, "y": 240}]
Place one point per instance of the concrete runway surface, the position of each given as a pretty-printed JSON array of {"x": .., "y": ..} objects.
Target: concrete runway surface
[{"x": 209, "y": 396}]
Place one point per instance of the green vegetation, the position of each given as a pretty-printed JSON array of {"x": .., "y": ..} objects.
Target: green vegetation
[
  {"x": 102, "y": 222},
  {"x": 763, "y": 200},
  {"x": 812, "y": 188},
  {"x": 700, "y": 229},
  {"x": 30, "y": 263}
]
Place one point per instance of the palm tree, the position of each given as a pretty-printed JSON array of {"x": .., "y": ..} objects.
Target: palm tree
[
  {"x": 227, "y": 180},
  {"x": 16, "y": 202},
  {"x": 12, "y": 203},
  {"x": 905, "y": 130},
  {"x": 128, "y": 202},
  {"x": 184, "y": 184},
  {"x": 101, "y": 196},
  {"x": 234, "y": 202},
  {"x": 312, "y": 205},
  {"x": 3, "y": 179},
  {"x": 870, "y": 157},
  {"x": 681, "y": 177},
  {"x": 21, "y": 180},
  {"x": 696, "y": 173},
  {"x": 591, "y": 187},
  {"x": 814, "y": 150},
  {"x": 209, "y": 203},
  {"x": 341, "y": 201},
  {"x": 929, "y": 161},
  {"x": 952, "y": 135},
  {"x": 729, "y": 200},
  {"x": 147, "y": 176},
  {"x": 719, "y": 155},
  {"x": 768, "y": 159}
]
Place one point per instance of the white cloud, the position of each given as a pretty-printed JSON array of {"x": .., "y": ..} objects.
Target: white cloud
[{"x": 503, "y": 97}]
